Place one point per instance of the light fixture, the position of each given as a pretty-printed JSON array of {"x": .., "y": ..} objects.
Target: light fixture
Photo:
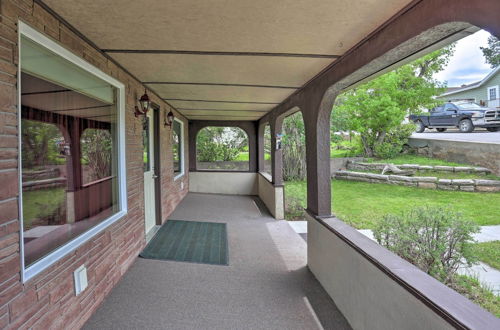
[
  {"x": 168, "y": 120},
  {"x": 145, "y": 103}
]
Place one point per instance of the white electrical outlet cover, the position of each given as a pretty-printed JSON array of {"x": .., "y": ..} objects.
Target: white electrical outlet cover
[{"x": 80, "y": 277}]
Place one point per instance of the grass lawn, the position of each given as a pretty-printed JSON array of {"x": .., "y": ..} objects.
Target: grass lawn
[
  {"x": 415, "y": 159},
  {"x": 244, "y": 157},
  {"x": 489, "y": 253},
  {"x": 40, "y": 203},
  {"x": 361, "y": 204},
  {"x": 472, "y": 289}
]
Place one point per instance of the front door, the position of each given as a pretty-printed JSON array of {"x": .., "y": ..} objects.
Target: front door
[{"x": 149, "y": 172}]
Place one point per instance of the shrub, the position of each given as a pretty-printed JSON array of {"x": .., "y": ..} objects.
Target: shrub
[
  {"x": 437, "y": 240},
  {"x": 394, "y": 141}
]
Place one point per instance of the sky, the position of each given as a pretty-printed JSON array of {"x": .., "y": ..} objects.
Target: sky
[{"x": 467, "y": 64}]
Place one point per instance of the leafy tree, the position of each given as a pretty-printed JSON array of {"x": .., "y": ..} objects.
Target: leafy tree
[
  {"x": 379, "y": 106},
  {"x": 39, "y": 143},
  {"x": 492, "y": 52},
  {"x": 97, "y": 147},
  {"x": 294, "y": 148},
  {"x": 220, "y": 143}
]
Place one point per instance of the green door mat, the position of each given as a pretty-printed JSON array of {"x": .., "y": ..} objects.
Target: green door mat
[{"x": 189, "y": 241}]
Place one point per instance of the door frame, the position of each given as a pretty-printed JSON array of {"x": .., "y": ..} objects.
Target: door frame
[{"x": 157, "y": 168}]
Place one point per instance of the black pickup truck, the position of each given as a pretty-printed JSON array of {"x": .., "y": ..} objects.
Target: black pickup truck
[{"x": 464, "y": 115}]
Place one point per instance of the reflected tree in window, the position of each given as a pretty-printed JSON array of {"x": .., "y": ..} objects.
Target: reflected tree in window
[{"x": 96, "y": 147}]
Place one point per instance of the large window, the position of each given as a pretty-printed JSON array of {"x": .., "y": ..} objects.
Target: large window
[
  {"x": 177, "y": 148},
  {"x": 222, "y": 148},
  {"x": 70, "y": 175}
]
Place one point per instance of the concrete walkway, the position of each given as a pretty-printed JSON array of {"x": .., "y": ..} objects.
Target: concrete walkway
[
  {"x": 487, "y": 275},
  {"x": 267, "y": 284}
]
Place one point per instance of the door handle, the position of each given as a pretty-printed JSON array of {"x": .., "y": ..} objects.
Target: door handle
[{"x": 155, "y": 176}]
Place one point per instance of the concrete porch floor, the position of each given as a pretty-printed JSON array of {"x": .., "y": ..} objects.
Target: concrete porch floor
[{"x": 267, "y": 284}]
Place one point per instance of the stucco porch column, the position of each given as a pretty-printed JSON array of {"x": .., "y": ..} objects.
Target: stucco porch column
[
  {"x": 276, "y": 126},
  {"x": 317, "y": 125}
]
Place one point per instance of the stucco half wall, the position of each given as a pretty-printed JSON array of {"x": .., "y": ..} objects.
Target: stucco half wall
[
  {"x": 230, "y": 183},
  {"x": 240, "y": 183},
  {"x": 272, "y": 196},
  {"x": 375, "y": 289}
]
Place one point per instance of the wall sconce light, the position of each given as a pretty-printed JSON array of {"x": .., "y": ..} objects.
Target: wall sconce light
[
  {"x": 168, "y": 120},
  {"x": 145, "y": 103}
]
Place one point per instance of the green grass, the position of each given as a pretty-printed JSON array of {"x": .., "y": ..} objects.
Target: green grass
[
  {"x": 40, "y": 203},
  {"x": 446, "y": 175},
  {"x": 474, "y": 291},
  {"x": 361, "y": 204},
  {"x": 415, "y": 159},
  {"x": 489, "y": 253},
  {"x": 244, "y": 157}
]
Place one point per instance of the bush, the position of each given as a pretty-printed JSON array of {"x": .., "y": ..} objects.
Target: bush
[
  {"x": 434, "y": 239},
  {"x": 394, "y": 141}
]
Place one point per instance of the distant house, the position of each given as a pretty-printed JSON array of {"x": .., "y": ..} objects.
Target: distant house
[{"x": 485, "y": 92}]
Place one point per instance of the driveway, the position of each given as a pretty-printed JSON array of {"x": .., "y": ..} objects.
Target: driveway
[{"x": 454, "y": 135}]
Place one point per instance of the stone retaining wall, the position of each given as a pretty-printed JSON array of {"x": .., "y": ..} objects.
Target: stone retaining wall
[
  {"x": 380, "y": 166},
  {"x": 473, "y": 185}
]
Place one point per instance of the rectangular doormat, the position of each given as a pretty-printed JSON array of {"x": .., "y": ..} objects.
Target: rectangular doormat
[{"x": 189, "y": 241}]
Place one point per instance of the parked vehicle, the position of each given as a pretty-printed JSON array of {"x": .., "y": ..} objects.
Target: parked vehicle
[{"x": 464, "y": 115}]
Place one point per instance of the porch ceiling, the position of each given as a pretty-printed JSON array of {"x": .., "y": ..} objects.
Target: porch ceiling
[{"x": 204, "y": 57}]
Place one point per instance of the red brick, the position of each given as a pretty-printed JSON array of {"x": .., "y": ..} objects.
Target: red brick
[
  {"x": 62, "y": 289},
  {"x": 8, "y": 98},
  {"x": 10, "y": 250},
  {"x": 7, "y": 163},
  {"x": 8, "y": 240},
  {"x": 9, "y": 180},
  {"x": 32, "y": 313},
  {"x": 9, "y": 266},
  {"x": 10, "y": 292},
  {"x": 8, "y": 141},
  {"x": 8, "y": 210},
  {"x": 19, "y": 304}
]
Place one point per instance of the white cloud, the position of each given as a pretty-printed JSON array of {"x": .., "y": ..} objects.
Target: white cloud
[{"x": 467, "y": 65}]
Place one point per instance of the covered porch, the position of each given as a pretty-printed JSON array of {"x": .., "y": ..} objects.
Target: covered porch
[
  {"x": 244, "y": 64},
  {"x": 266, "y": 285}
]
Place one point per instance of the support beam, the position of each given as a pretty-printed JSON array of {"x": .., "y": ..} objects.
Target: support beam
[{"x": 276, "y": 154}]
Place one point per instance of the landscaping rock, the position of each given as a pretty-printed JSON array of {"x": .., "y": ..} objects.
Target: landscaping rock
[
  {"x": 467, "y": 188},
  {"x": 488, "y": 188},
  {"x": 444, "y": 168},
  {"x": 494, "y": 183},
  {"x": 443, "y": 182},
  {"x": 447, "y": 187},
  {"x": 426, "y": 178},
  {"x": 462, "y": 169},
  {"x": 402, "y": 178},
  {"x": 426, "y": 168},
  {"x": 462, "y": 182},
  {"x": 427, "y": 185}
]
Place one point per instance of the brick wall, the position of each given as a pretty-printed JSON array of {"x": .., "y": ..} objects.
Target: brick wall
[{"x": 48, "y": 301}]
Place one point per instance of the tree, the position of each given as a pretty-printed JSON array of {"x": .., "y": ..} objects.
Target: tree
[
  {"x": 294, "y": 148},
  {"x": 220, "y": 143},
  {"x": 39, "y": 143},
  {"x": 492, "y": 52},
  {"x": 97, "y": 148},
  {"x": 377, "y": 108}
]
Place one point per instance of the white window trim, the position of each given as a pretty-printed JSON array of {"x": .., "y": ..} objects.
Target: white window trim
[
  {"x": 181, "y": 155},
  {"x": 62, "y": 251},
  {"x": 488, "y": 93}
]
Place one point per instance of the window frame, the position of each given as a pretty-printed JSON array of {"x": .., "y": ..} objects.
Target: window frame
[
  {"x": 27, "y": 273},
  {"x": 495, "y": 88},
  {"x": 181, "y": 150}
]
